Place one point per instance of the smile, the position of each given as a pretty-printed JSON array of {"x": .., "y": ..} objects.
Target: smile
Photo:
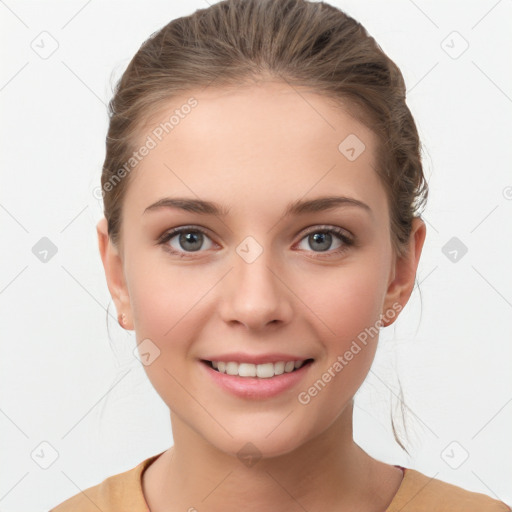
[
  {"x": 262, "y": 371},
  {"x": 260, "y": 381}
]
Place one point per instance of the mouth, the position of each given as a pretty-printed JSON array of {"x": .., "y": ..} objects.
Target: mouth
[{"x": 261, "y": 371}]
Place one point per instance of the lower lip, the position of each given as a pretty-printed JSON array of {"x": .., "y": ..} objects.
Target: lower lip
[{"x": 254, "y": 387}]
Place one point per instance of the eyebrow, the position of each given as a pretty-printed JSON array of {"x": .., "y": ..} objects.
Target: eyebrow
[{"x": 294, "y": 208}]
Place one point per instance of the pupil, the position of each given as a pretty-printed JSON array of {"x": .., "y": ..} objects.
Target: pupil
[
  {"x": 322, "y": 237},
  {"x": 194, "y": 238}
]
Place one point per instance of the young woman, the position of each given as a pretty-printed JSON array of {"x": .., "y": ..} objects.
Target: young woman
[{"x": 262, "y": 184}]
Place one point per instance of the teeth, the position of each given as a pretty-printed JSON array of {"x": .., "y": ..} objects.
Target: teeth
[{"x": 263, "y": 371}]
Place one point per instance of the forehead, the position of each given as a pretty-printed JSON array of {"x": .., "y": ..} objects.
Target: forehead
[
  {"x": 269, "y": 139},
  {"x": 276, "y": 106}
]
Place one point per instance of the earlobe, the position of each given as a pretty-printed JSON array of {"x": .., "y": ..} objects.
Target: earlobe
[
  {"x": 114, "y": 272},
  {"x": 405, "y": 267}
]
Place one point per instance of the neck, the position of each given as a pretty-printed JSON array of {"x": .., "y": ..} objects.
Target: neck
[{"x": 329, "y": 469}]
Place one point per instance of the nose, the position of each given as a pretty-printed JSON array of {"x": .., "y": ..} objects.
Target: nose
[{"x": 255, "y": 295}]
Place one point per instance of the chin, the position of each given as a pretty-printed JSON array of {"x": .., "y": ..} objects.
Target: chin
[{"x": 250, "y": 446}]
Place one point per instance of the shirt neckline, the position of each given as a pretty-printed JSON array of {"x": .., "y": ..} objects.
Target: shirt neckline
[{"x": 146, "y": 463}]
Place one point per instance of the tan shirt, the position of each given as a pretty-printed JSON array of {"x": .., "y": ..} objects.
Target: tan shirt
[{"x": 417, "y": 493}]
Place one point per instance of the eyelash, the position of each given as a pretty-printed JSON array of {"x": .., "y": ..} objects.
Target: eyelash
[{"x": 340, "y": 234}]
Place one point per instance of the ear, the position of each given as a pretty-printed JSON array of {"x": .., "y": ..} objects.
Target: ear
[
  {"x": 403, "y": 274},
  {"x": 114, "y": 273}
]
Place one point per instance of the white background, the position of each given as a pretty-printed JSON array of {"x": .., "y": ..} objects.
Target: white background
[{"x": 64, "y": 383}]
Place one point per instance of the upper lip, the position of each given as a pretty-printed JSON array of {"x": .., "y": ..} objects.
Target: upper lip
[{"x": 239, "y": 357}]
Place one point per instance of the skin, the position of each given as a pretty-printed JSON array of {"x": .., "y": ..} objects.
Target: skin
[{"x": 256, "y": 149}]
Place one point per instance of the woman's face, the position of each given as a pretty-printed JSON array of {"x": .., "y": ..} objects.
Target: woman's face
[{"x": 259, "y": 284}]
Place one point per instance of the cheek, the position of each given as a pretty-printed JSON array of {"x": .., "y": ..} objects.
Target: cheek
[
  {"x": 169, "y": 304},
  {"x": 164, "y": 297},
  {"x": 347, "y": 304},
  {"x": 166, "y": 308},
  {"x": 349, "y": 309},
  {"x": 347, "y": 301},
  {"x": 358, "y": 308}
]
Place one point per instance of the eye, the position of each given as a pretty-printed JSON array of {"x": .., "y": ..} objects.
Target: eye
[
  {"x": 321, "y": 238},
  {"x": 185, "y": 239},
  {"x": 189, "y": 239}
]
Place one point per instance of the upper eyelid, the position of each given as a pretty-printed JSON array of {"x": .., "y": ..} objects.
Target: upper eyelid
[
  {"x": 326, "y": 227},
  {"x": 176, "y": 231}
]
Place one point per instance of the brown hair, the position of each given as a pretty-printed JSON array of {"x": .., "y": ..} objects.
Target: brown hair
[{"x": 311, "y": 45}]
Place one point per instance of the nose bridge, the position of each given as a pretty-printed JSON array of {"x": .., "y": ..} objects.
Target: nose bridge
[{"x": 255, "y": 296}]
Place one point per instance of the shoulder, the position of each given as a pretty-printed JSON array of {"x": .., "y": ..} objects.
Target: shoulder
[
  {"x": 419, "y": 492},
  {"x": 119, "y": 492}
]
